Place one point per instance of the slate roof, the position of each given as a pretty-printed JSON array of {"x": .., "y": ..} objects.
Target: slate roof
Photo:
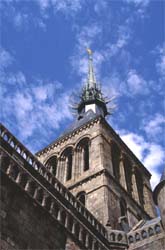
[
  {"x": 81, "y": 120},
  {"x": 78, "y": 122}
]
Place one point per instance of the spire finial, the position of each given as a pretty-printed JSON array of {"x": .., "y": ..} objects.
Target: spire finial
[
  {"x": 91, "y": 82},
  {"x": 89, "y": 51}
]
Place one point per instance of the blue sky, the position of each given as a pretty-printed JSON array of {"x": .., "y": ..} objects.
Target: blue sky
[{"x": 43, "y": 60}]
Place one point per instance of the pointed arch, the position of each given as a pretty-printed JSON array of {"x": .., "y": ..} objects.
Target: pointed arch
[
  {"x": 67, "y": 155},
  {"x": 51, "y": 164},
  {"x": 84, "y": 145},
  {"x": 115, "y": 153},
  {"x": 139, "y": 183},
  {"x": 128, "y": 174}
]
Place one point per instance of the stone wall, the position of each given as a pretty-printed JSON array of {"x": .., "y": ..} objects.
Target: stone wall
[
  {"x": 38, "y": 212},
  {"x": 161, "y": 203},
  {"x": 156, "y": 242},
  {"x": 24, "y": 224},
  {"x": 34, "y": 182}
]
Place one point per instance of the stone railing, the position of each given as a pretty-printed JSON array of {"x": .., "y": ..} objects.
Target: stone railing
[
  {"x": 22, "y": 167},
  {"x": 144, "y": 233}
]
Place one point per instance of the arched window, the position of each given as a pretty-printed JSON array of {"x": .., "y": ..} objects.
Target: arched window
[
  {"x": 123, "y": 207},
  {"x": 139, "y": 183},
  {"x": 68, "y": 158},
  {"x": 115, "y": 152},
  {"x": 128, "y": 174},
  {"x": 69, "y": 167},
  {"x": 86, "y": 157},
  {"x": 81, "y": 197},
  {"x": 84, "y": 149},
  {"x": 51, "y": 164}
]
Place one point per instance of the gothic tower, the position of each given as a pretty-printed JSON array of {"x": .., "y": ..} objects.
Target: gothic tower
[{"x": 92, "y": 161}]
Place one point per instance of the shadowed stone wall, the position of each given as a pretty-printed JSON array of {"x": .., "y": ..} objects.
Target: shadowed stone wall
[{"x": 24, "y": 224}]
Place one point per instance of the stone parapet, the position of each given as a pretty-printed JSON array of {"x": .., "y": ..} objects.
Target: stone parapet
[{"x": 23, "y": 168}]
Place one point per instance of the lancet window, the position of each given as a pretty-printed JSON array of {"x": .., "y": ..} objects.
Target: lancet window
[
  {"x": 128, "y": 174},
  {"x": 86, "y": 156},
  {"x": 68, "y": 162},
  {"x": 139, "y": 183},
  {"x": 83, "y": 154},
  {"x": 51, "y": 164},
  {"x": 115, "y": 152}
]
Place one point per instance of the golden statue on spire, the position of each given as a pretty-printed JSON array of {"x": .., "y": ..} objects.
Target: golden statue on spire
[{"x": 89, "y": 51}]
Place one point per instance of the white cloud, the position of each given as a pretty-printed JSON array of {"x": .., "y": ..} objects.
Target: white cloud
[
  {"x": 85, "y": 39},
  {"x": 100, "y": 6},
  {"x": 20, "y": 19},
  {"x": 155, "y": 156},
  {"x": 46, "y": 90},
  {"x": 31, "y": 104},
  {"x": 151, "y": 154},
  {"x": 44, "y": 4},
  {"x": 135, "y": 143},
  {"x": 160, "y": 64},
  {"x": 136, "y": 84},
  {"x": 23, "y": 17},
  {"x": 65, "y": 6},
  {"x": 5, "y": 58},
  {"x": 87, "y": 35},
  {"x": 124, "y": 35},
  {"x": 23, "y": 104},
  {"x": 139, "y": 2},
  {"x": 140, "y": 5},
  {"x": 155, "y": 127},
  {"x": 32, "y": 111}
]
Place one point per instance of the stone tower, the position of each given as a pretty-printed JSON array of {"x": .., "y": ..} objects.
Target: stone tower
[
  {"x": 92, "y": 161},
  {"x": 159, "y": 197}
]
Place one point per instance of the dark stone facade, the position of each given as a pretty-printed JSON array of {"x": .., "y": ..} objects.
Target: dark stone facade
[{"x": 25, "y": 225}]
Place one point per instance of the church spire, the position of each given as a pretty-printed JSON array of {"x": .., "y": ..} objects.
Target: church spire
[{"x": 91, "y": 96}]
